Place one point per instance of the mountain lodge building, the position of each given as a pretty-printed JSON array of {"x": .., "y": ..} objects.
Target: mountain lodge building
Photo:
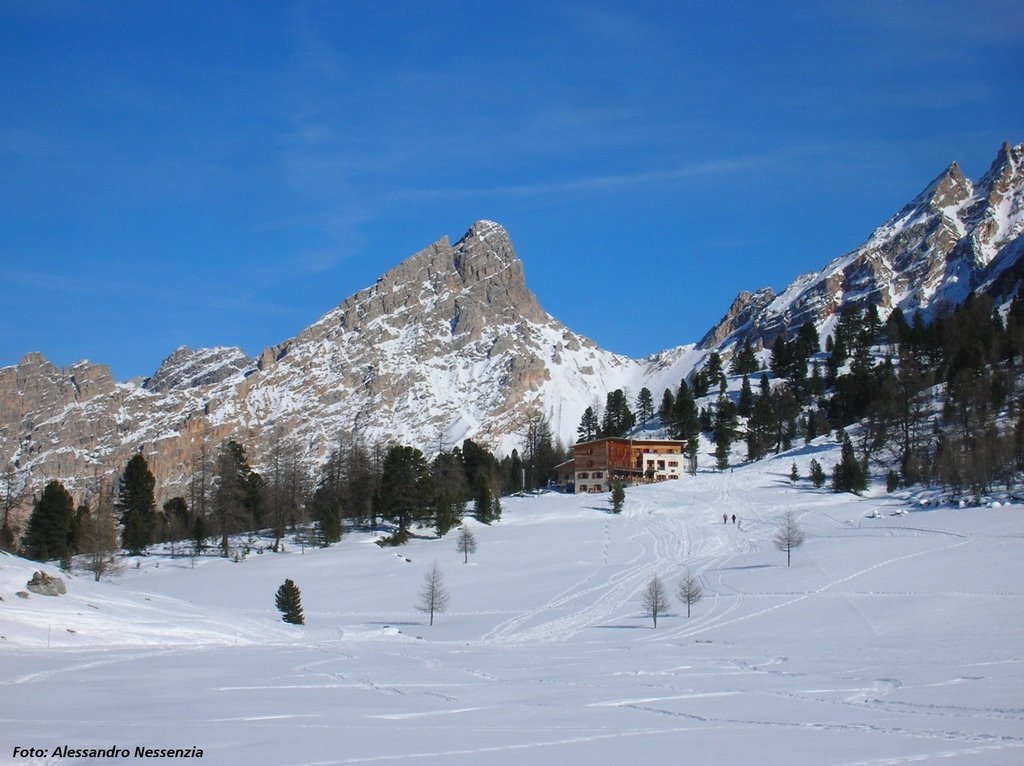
[{"x": 596, "y": 464}]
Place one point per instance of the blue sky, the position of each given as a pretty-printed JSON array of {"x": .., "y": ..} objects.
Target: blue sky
[{"x": 223, "y": 173}]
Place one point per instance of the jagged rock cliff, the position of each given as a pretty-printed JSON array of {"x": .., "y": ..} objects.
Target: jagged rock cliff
[
  {"x": 447, "y": 345},
  {"x": 452, "y": 344},
  {"x": 953, "y": 238}
]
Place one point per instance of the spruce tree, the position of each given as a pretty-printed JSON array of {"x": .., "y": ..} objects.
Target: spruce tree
[
  {"x": 406, "y": 488},
  {"x": 745, "y": 405},
  {"x": 483, "y": 504},
  {"x": 666, "y": 410},
  {"x": 618, "y": 496},
  {"x": 587, "y": 429},
  {"x": 744, "y": 362},
  {"x": 136, "y": 500},
  {"x": 817, "y": 474},
  {"x": 644, "y": 405},
  {"x": 50, "y": 527},
  {"x": 848, "y": 475},
  {"x": 289, "y": 602}
]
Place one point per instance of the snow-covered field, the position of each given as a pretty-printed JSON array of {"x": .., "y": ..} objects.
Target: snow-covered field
[{"x": 890, "y": 640}]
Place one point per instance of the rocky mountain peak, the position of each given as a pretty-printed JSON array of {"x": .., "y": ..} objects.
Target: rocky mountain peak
[
  {"x": 1005, "y": 173},
  {"x": 953, "y": 238},
  {"x": 948, "y": 189}
]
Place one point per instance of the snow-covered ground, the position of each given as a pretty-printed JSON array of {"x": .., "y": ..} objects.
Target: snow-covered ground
[{"x": 890, "y": 640}]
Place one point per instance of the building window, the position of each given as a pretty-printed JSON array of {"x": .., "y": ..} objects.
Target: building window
[
  {"x": 598, "y": 474},
  {"x": 584, "y": 475},
  {"x": 673, "y": 463}
]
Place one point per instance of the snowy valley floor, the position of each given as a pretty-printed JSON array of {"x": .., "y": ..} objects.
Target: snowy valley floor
[{"x": 890, "y": 640}]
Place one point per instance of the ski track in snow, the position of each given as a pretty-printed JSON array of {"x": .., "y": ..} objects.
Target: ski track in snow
[{"x": 508, "y": 692}]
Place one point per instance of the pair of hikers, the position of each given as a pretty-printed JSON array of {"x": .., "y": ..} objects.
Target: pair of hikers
[{"x": 725, "y": 518}]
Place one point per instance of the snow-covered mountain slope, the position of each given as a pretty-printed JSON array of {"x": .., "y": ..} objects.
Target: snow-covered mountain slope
[
  {"x": 893, "y": 639},
  {"x": 447, "y": 345},
  {"x": 451, "y": 344},
  {"x": 955, "y": 237}
]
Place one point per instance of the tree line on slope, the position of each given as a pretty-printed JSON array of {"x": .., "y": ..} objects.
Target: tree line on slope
[
  {"x": 934, "y": 404},
  {"x": 356, "y": 486}
]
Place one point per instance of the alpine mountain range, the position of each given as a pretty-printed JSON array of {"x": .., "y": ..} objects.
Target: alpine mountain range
[{"x": 451, "y": 344}]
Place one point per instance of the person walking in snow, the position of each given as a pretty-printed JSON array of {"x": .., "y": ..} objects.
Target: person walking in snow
[
  {"x": 725, "y": 518},
  {"x": 734, "y": 518}
]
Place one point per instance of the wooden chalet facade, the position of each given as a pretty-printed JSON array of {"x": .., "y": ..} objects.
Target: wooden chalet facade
[{"x": 596, "y": 464}]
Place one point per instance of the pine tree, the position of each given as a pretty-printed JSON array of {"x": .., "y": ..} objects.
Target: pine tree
[
  {"x": 618, "y": 496},
  {"x": 289, "y": 602},
  {"x": 817, "y": 474},
  {"x": 848, "y": 475},
  {"x": 746, "y": 403},
  {"x": 725, "y": 430},
  {"x": 406, "y": 489},
  {"x": 666, "y": 410},
  {"x": 137, "y": 503},
  {"x": 587, "y": 430},
  {"x": 644, "y": 405},
  {"x": 744, "y": 362},
  {"x": 49, "y": 532},
  {"x": 329, "y": 524},
  {"x": 618, "y": 419},
  {"x": 794, "y": 473}
]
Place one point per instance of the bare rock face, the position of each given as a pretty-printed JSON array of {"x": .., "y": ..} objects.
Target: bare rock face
[
  {"x": 943, "y": 245},
  {"x": 449, "y": 344},
  {"x": 186, "y": 368},
  {"x": 46, "y": 585}
]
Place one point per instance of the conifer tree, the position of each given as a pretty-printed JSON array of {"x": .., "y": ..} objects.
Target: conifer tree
[
  {"x": 848, "y": 475},
  {"x": 655, "y": 600},
  {"x": 817, "y": 474},
  {"x": 50, "y": 527},
  {"x": 10, "y": 498},
  {"x": 289, "y": 603},
  {"x": 644, "y": 405},
  {"x": 137, "y": 503},
  {"x": 587, "y": 429},
  {"x": 466, "y": 543},
  {"x": 690, "y": 590},
  {"x": 794, "y": 473},
  {"x": 98, "y": 525},
  {"x": 618, "y": 496},
  {"x": 665, "y": 411},
  {"x": 744, "y": 362},
  {"x": 406, "y": 489},
  {"x": 788, "y": 536},
  {"x": 433, "y": 595},
  {"x": 483, "y": 504},
  {"x": 745, "y": 405}
]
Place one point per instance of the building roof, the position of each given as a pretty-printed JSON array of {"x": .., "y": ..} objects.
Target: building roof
[{"x": 637, "y": 442}]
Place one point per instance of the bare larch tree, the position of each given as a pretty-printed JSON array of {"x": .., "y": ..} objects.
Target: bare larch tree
[
  {"x": 788, "y": 536},
  {"x": 690, "y": 590},
  {"x": 433, "y": 596},
  {"x": 655, "y": 600}
]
